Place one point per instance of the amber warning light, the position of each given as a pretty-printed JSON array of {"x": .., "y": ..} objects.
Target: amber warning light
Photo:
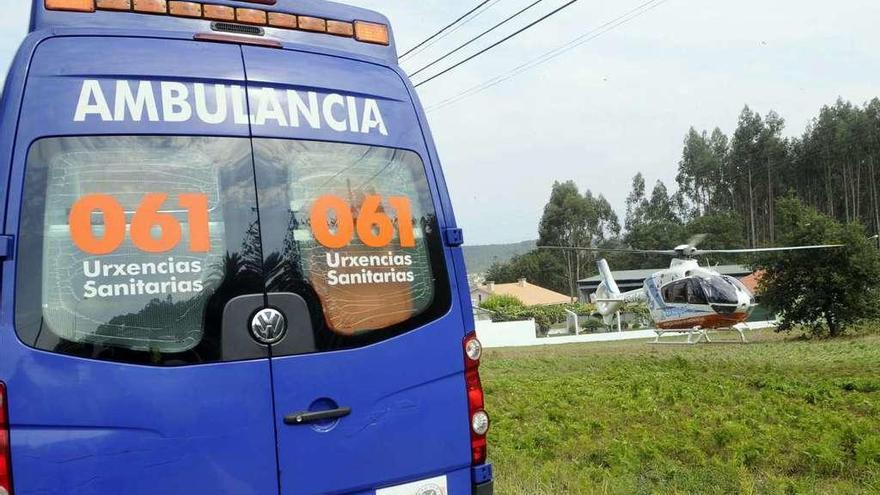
[{"x": 366, "y": 32}]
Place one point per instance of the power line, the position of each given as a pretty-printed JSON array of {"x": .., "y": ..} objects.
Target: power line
[
  {"x": 438, "y": 33},
  {"x": 502, "y": 40},
  {"x": 484, "y": 33},
  {"x": 454, "y": 29},
  {"x": 580, "y": 40},
  {"x": 546, "y": 57}
]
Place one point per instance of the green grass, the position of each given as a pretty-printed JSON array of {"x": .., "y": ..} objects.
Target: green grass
[{"x": 776, "y": 416}]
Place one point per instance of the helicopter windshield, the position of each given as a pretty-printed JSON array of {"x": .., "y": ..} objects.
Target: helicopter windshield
[
  {"x": 737, "y": 283},
  {"x": 720, "y": 290}
]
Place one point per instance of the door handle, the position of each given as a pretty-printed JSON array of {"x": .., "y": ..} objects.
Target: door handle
[{"x": 306, "y": 417}]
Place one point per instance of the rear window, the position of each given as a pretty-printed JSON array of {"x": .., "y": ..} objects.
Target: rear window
[
  {"x": 131, "y": 247},
  {"x": 352, "y": 229}
]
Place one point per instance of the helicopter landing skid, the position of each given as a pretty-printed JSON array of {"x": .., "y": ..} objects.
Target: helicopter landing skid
[{"x": 697, "y": 335}]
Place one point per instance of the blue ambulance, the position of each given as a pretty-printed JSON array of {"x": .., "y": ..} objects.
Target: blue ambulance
[{"x": 229, "y": 260}]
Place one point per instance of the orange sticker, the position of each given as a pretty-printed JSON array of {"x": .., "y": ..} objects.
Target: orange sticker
[
  {"x": 374, "y": 227},
  {"x": 321, "y": 222},
  {"x": 146, "y": 217},
  {"x": 80, "y": 221}
]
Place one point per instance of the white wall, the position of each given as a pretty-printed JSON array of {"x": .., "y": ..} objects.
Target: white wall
[
  {"x": 506, "y": 334},
  {"x": 522, "y": 334}
]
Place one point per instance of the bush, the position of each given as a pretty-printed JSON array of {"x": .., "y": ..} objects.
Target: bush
[
  {"x": 502, "y": 303},
  {"x": 641, "y": 315},
  {"x": 592, "y": 324},
  {"x": 509, "y": 308}
]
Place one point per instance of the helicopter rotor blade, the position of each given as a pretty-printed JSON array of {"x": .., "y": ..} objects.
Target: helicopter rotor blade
[
  {"x": 668, "y": 252},
  {"x": 696, "y": 239},
  {"x": 699, "y": 252}
]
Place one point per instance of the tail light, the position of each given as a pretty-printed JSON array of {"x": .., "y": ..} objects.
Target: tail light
[
  {"x": 479, "y": 420},
  {"x": 5, "y": 464}
]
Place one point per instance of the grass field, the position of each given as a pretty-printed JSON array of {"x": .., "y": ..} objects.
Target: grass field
[{"x": 776, "y": 416}]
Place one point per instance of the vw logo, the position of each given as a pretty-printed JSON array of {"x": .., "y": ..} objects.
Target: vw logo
[{"x": 269, "y": 326}]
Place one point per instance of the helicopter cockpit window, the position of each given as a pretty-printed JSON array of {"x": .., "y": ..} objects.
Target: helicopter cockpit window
[
  {"x": 685, "y": 291},
  {"x": 736, "y": 283},
  {"x": 695, "y": 293},
  {"x": 676, "y": 292},
  {"x": 719, "y": 290}
]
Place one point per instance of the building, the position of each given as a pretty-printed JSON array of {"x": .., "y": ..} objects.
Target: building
[
  {"x": 628, "y": 280},
  {"x": 751, "y": 281},
  {"x": 529, "y": 294}
]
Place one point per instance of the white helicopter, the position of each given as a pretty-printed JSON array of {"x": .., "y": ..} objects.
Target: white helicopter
[{"x": 685, "y": 298}]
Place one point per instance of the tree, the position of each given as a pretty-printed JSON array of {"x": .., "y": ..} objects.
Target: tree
[
  {"x": 540, "y": 267},
  {"x": 721, "y": 231},
  {"x": 634, "y": 202},
  {"x": 825, "y": 291},
  {"x": 757, "y": 154},
  {"x": 701, "y": 171},
  {"x": 652, "y": 223},
  {"x": 831, "y": 167},
  {"x": 572, "y": 220}
]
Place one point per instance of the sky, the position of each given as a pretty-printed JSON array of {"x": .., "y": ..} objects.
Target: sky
[{"x": 616, "y": 105}]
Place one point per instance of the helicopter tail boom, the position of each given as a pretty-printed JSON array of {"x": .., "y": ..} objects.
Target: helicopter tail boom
[
  {"x": 607, "y": 278},
  {"x": 607, "y": 298}
]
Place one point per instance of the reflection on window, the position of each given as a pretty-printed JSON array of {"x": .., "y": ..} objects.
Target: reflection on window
[
  {"x": 720, "y": 290},
  {"x": 684, "y": 291},
  {"x": 106, "y": 283},
  {"x": 361, "y": 229}
]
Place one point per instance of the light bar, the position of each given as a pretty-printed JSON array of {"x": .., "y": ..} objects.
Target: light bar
[
  {"x": 71, "y": 5},
  {"x": 366, "y": 32},
  {"x": 251, "y": 16},
  {"x": 185, "y": 9},
  {"x": 219, "y": 13},
  {"x": 340, "y": 28},
  {"x": 312, "y": 24},
  {"x": 114, "y": 4},
  {"x": 279, "y": 20},
  {"x": 150, "y": 6},
  {"x": 371, "y": 32}
]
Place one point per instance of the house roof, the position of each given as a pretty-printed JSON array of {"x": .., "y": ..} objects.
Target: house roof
[
  {"x": 529, "y": 294},
  {"x": 752, "y": 280}
]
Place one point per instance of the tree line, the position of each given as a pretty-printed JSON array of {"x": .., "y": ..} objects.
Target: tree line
[
  {"x": 727, "y": 188},
  {"x": 832, "y": 167}
]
